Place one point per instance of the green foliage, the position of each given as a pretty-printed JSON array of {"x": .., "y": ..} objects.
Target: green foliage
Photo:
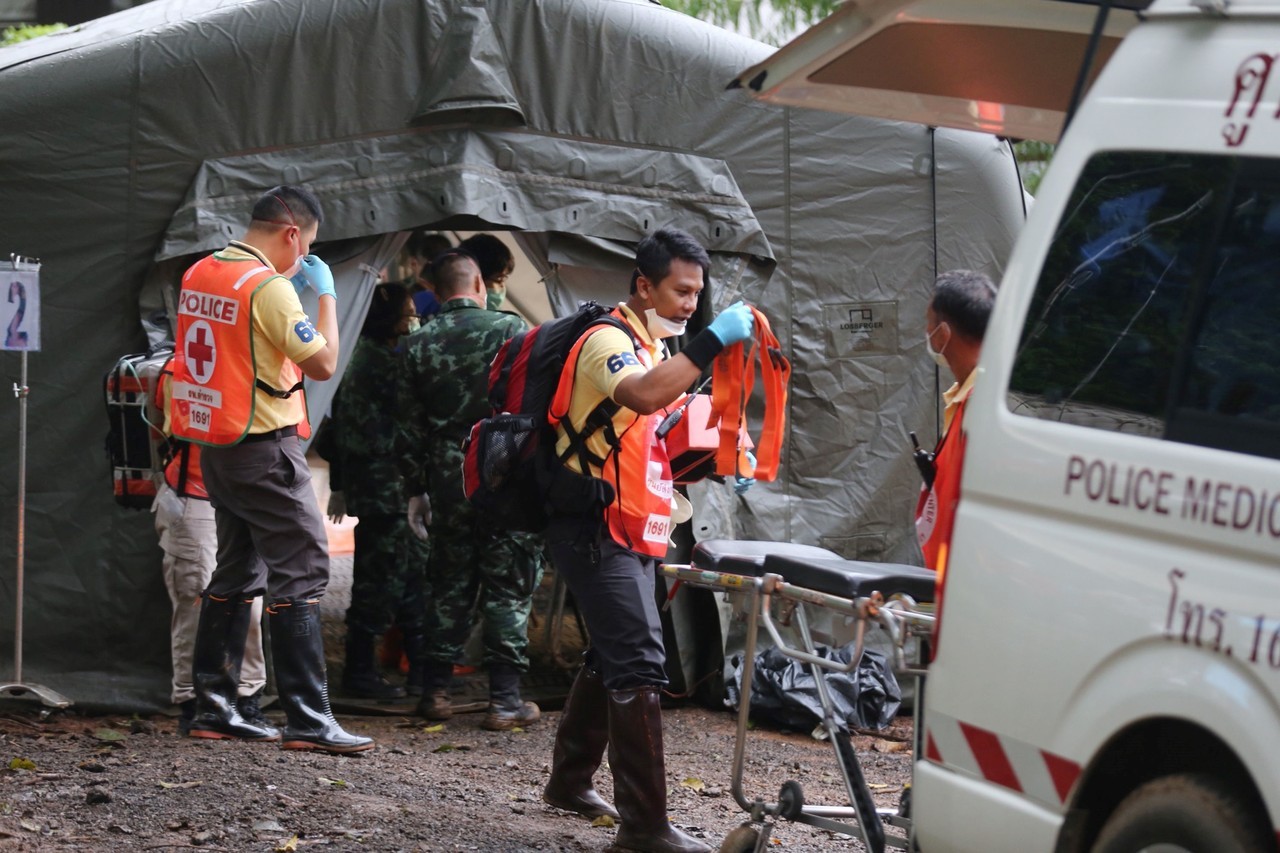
[
  {"x": 771, "y": 21},
  {"x": 1033, "y": 159},
  {"x": 13, "y": 35}
]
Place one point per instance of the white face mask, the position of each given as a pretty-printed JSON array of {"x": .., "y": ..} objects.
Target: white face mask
[
  {"x": 414, "y": 325},
  {"x": 661, "y": 327},
  {"x": 936, "y": 355}
]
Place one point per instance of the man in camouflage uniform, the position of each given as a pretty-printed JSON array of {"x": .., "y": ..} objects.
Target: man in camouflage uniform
[
  {"x": 359, "y": 442},
  {"x": 443, "y": 391}
]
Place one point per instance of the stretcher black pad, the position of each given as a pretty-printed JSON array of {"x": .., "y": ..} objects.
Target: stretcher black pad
[
  {"x": 853, "y": 578},
  {"x": 747, "y": 556}
]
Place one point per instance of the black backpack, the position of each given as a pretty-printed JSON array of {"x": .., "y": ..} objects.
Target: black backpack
[{"x": 510, "y": 472}]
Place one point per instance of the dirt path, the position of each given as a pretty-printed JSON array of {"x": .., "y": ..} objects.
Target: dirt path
[{"x": 70, "y": 782}]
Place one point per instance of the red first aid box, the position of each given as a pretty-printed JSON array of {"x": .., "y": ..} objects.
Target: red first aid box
[{"x": 691, "y": 444}]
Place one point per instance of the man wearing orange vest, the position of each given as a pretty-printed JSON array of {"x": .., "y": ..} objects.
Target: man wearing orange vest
[
  {"x": 609, "y": 559},
  {"x": 243, "y": 345},
  {"x": 955, "y": 323}
]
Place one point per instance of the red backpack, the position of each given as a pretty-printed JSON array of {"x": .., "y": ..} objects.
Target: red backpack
[{"x": 510, "y": 472}]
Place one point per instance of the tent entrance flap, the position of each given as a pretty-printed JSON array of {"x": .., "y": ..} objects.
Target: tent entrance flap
[{"x": 512, "y": 179}]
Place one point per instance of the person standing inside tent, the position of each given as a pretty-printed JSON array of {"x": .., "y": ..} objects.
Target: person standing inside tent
[
  {"x": 390, "y": 562},
  {"x": 243, "y": 345},
  {"x": 496, "y": 265},
  {"x": 443, "y": 391},
  {"x": 420, "y": 249},
  {"x": 609, "y": 559},
  {"x": 955, "y": 324}
]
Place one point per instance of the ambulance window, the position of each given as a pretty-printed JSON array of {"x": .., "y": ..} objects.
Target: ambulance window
[
  {"x": 1229, "y": 394},
  {"x": 1158, "y": 306},
  {"x": 1112, "y": 307}
]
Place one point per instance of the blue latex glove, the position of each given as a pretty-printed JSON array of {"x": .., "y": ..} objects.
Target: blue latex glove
[
  {"x": 314, "y": 273},
  {"x": 733, "y": 325},
  {"x": 741, "y": 484}
]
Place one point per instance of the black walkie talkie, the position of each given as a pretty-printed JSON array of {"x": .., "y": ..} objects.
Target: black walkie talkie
[{"x": 924, "y": 461}]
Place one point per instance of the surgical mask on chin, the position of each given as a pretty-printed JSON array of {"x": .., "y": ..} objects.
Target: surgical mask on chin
[
  {"x": 660, "y": 327},
  {"x": 414, "y": 325},
  {"x": 294, "y": 268},
  {"x": 937, "y": 356},
  {"x": 493, "y": 299}
]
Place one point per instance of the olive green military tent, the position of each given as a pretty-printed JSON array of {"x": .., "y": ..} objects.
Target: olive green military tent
[{"x": 133, "y": 144}]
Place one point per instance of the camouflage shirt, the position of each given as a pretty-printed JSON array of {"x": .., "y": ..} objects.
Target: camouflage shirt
[
  {"x": 363, "y": 439},
  {"x": 444, "y": 389}
]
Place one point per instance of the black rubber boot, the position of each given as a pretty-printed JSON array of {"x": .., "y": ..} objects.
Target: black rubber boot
[
  {"x": 413, "y": 645},
  {"x": 580, "y": 743},
  {"x": 215, "y": 671},
  {"x": 435, "y": 703},
  {"x": 640, "y": 775},
  {"x": 506, "y": 709},
  {"x": 361, "y": 677},
  {"x": 298, "y": 650}
]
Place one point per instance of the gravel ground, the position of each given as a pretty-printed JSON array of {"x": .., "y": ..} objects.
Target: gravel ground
[{"x": 71, "y": 782}]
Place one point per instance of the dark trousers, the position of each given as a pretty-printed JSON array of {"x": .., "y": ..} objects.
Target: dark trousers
[
  {"x": 615, "y": 595},
  {"x": 271, "y": 538}
]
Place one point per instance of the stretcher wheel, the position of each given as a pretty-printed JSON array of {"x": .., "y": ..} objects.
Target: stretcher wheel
[
  {"x": 791, "y": 800},
  {"x": 742, "y": 840}
]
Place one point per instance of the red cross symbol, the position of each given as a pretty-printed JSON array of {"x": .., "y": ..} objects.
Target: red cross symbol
[{"x": 200, "y": 351}]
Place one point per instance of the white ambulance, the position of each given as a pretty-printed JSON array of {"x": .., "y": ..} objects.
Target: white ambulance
[{"x": 1107, "y": 676}]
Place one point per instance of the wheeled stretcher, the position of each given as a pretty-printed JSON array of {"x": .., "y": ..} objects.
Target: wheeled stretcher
[{"x": 783, "y": 586}]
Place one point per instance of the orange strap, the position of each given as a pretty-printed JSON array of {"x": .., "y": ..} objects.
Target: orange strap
[{"x": 733, "y": 379}]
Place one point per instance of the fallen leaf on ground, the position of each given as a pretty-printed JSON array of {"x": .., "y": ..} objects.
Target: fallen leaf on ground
[
  {"x": 603, "y": 820},
  {"x": 444, "y": 747},
  {"x": 180, "y": 784},
  {"x": 430, "y": 730},
  {"x": 693, "y": 783},
  {"x": 289, "y": 846},
  {"x": 22, "y": 764},
  {"x": 109, "y": 735},
  {"x": 29, "y": 825},
  {"x": 337, "y": 783}
]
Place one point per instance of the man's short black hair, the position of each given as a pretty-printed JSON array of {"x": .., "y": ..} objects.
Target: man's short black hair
[
  {"x": 451, "y": 271},
  {"x": 964, "y": 299},
  {"x": 491, "y": 255},
  {"x": 386, "y": 310},
  {"x": 288, "y": 205},
  {"x": 655, "y": 253}
]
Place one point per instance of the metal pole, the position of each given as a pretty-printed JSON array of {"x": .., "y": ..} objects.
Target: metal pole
[{"x": 21, "y": 391}]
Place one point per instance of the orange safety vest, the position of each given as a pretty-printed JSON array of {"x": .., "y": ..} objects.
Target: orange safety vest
[
  {"x": 639, "y": 518},
  {"x": 183, "y": 472},
  {"x": 214, "y": 374},
  {"x": 733, "y": 378},
  {"x": 936, "y": 509}
]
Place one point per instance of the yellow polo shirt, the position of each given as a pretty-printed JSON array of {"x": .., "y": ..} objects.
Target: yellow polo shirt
[
  {"x": 281, "y": 331},
  {"x": 608, "y": 356}
]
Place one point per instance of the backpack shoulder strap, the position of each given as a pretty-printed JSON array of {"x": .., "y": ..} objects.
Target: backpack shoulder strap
[{"x": 601, "y": 417}]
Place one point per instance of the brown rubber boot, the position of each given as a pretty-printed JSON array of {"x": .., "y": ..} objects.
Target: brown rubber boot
[
  {"x": 580, "y": 743},
  {"x": 640, "y": 775}
]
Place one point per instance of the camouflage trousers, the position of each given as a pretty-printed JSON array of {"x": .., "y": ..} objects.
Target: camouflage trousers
[
  {"x": 388, "y": 576},
  {"x": 476, "y": 570}
]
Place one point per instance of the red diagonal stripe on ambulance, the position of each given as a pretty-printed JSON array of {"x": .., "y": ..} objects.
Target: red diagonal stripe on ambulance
[
  {"x": 1064, "y": 773},
  {"x": 990, "y": 756}
]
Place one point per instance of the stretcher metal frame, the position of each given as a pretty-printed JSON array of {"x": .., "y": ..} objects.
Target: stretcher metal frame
[{"x": 901, "y": 617}]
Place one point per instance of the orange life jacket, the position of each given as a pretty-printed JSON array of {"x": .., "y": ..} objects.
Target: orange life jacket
[
  {"x": 936, "y": 509},
  {"x": 214, "y": 375},
  {"x": 639, "y": 518},
  {"x": 733, "y": 378}
]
